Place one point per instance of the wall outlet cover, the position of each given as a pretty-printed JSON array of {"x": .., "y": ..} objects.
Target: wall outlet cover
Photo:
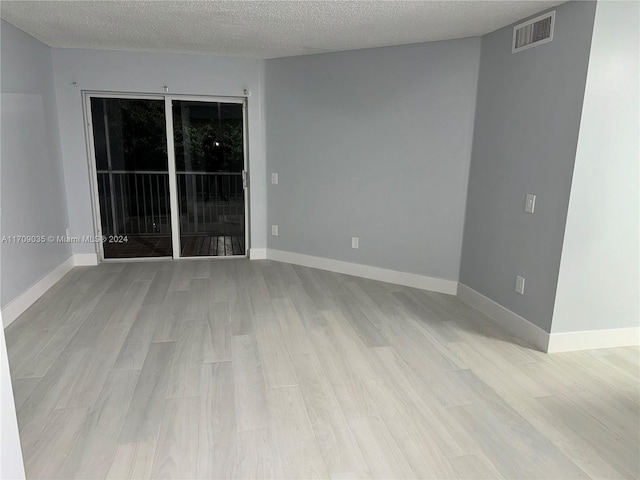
[
  {"x": 530, "y": 203},
  {"x": 274, "y": 230}
]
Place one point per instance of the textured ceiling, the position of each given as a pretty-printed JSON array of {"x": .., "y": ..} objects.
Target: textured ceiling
[{"x": 259, "y": 29}]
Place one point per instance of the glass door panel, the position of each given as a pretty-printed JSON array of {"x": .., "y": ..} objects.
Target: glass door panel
[
  {"x": 130, "y": 144},
  {"x": 209, "y": 155}
]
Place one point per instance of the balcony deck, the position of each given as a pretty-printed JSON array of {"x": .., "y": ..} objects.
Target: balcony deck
[{"x": 160, "y": 246}]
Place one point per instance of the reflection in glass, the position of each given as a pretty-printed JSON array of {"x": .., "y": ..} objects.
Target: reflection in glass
[
  {"x": 130, "y": 146},
  {"x": 209, "y": 152}
]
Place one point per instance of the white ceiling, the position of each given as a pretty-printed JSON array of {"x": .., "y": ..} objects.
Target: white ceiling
[{"x": 259, "y": 29}]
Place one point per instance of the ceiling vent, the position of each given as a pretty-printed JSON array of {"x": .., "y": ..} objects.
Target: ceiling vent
[{"x": 533, "y": 32}]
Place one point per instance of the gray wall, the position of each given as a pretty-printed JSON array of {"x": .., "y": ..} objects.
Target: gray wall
[
  {"x": 526, "y": 129},
  {"x": 32, "y": 184},
  {"x": 375, "y": 144},
  {"x": 104, "y": 70}
]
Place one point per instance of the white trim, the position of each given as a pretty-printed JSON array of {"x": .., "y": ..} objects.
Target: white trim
[
  {"x": 93, "y": 173},
  {"x": 85, "y": 259},
  {"x": 173, "y": 180},
  {"x": 27, "y": 298},
  {"x": 171, "y": 163},
  {"x": 19, "y": 305},
  {"x": 207, "y": 99},
  {"x": 247, "y": 177},
  {"x": 550, "y": 343},
  {"x": 592, "y": 339},
  {"x": 505, "y": 318},
  {"x": 128, "y": 95},
  {"x": 365, "y": 271},
  {"x": 257, "y": 253}
]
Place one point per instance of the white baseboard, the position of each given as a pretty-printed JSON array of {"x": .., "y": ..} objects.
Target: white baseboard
[
  {"x": 554, "y": 342},
  {"x": 505, "y": 318},
  {"x": 18, "y": 305},
  {"x": 257, "y": 253},
  {"x": 508, "y": 320},
  {"x": 592, "y": 339},
  {"x": 85, "y": 259},
  {"x": 366, "y": 271}
]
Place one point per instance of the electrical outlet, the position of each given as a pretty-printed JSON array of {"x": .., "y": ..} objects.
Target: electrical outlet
[
  {"x": 355, "y": 241},
  {"x": 520, "y": 285},
  {"x": 274, "y": 230},
  {"x": 274, "y": 178},
  {"x": 530, "y": 203}
]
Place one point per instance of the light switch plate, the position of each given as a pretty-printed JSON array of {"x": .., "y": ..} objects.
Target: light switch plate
[
  {"x": 355, "y": 242},
  {"x": 520, "y": 285},
  {"x": 530, "y": 203},
  {"x": 274, "y": 178},
  {"x": 274, "y": 230}
]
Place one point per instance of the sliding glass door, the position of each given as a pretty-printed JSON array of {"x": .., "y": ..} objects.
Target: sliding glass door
[
  {"x": 209, "y": 154},
  {"x": 130, "y": 143},
  {"x": 135, "y": 176}
]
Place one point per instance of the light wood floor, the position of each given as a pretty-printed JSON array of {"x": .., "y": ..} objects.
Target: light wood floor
[{"x": 238, "y": 369}]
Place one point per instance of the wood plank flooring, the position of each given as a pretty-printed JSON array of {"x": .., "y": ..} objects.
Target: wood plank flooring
[{"x": 216, "y": 369}]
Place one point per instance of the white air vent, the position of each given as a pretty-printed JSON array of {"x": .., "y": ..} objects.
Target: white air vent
[{"x": 533, "y": 32}]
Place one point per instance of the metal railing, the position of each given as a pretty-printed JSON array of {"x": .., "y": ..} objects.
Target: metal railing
[
  {"x": 137, "y": 202},
  {"x": 211, "y": 202}
]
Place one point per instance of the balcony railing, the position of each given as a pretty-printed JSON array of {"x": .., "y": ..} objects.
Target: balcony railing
[
  {"x": 137, "y": 202},
  {"x": 211, "y": 203}
]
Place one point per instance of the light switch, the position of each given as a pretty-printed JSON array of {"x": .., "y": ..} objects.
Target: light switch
[
  {"x": 530, "y": 203},
  {"x": 520, "y": 285},
  {"x": 274, "y": 230},
  {"x": 274, "y": 178}
]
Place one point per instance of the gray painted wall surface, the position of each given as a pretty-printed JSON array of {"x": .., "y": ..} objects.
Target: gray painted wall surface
[
  {"x": 526, "y": 130},
  {"x": 103, "y": 70},
  {"x": 32, "y": 183},
  {"x": 375, "y": 144}
]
